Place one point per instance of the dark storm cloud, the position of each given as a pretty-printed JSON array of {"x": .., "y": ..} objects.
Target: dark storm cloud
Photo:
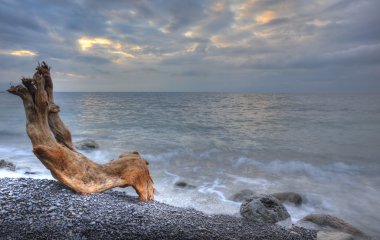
[{"x": 247, "y": 45}]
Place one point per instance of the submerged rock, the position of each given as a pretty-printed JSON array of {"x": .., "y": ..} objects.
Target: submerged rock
[
  {"x": 87, "y": 144},
  {"x": 242, "y": 195},
  {"x": 326, "y": 220},
  {"x": 31, "y": 173},
  {"x": 7, "y": 165},
  {"x": 288, "y": 197},
  {"x": 182, "y": 184},
  {"x": 263, "y": 208}
]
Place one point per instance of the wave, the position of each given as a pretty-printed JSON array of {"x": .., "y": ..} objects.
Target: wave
[
  {"x": 7, "y": 152},
  {"x": 280, "y": 167},
  {"x": 160, "y": 157}
]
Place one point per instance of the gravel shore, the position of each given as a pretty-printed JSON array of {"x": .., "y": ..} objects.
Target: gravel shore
[{"x": 45, "y": 209}]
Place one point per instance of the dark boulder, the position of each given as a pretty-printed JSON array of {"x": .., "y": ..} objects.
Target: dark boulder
[
  {"x": 288, "y": 197},
  {"x": 263, "y": 208},
  {"x": 7, "y": 165}
]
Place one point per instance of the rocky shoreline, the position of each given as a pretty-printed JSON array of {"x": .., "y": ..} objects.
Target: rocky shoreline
[{"x": 45, "y": 209}]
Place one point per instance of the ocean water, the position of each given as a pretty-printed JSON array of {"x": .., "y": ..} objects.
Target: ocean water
[{"x": 325, "y": 147}]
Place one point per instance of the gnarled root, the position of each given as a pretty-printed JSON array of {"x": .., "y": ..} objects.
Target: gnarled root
[{"x": 52, "y": 145}]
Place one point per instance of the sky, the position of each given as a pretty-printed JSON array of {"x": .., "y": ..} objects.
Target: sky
[{"x": 191, "y": 46}]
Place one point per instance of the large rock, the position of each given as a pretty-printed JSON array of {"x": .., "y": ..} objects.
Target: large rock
[
  {"x": 282, "y": 196},
  {"x": 288, "y": 197},
  {"x": 326, "y": 220},
  {"x": 242, "y": 195},
  {"x": 7, "y": 165},
  {"x": 86, "y": 144},
  {"x": 263, "y": 208},
  {"x": 325, "y": 235}
]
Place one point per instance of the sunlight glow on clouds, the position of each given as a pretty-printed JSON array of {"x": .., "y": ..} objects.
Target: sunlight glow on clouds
[
  {"x": 265, "y": 17},
  {"x": 106, "y": 47},
  {"x": 87, "y": 43},
  {"x": 123, "y": 54},
  {"x": 20, "y": 53},
  {"x": 239, "y": 45},
  {"x": 67, "y": 75}
]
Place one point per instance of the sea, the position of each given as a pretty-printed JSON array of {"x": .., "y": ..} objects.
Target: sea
[{"x": 324, "y": 146}]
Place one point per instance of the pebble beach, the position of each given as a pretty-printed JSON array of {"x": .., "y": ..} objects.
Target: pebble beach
[{"x": 46, "y": 209}]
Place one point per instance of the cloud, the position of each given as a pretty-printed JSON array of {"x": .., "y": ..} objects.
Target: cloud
[
  {"x": 231, "y": 45},
  {"x": 19, "y": 53},
  {"x": 86, "y": 43}
]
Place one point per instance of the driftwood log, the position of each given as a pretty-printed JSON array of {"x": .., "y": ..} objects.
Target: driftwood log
[{"x": 53, "y": 146}]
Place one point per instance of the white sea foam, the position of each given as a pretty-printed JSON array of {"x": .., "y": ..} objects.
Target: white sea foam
[
  {"x": 280, "y": 167},
  {"x": 173, "y": 176},
  {"x": 99, "y": 156},
  {"x": 260, "y": 182},
  {"x": 207, "y": 198},
  {"x": 160, "y": 157}
]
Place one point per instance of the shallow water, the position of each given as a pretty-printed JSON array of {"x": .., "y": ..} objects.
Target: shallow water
[{"x": 325, "y": 147}]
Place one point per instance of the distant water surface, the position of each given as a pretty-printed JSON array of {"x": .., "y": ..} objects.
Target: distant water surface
[{"x": 326, "y": 147}]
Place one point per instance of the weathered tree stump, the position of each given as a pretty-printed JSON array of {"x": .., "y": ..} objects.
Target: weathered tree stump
[{"x": 53, "y": 146}]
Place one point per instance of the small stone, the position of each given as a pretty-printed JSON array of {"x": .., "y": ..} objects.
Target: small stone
[
  {"x": 31, "y": 173},
  {"x": 182, "y": 184},
  {"x": 294, "y": 233},
  {"x": 52, "y": 208}
]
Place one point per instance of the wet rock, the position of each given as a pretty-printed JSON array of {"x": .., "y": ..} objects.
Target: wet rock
[
  {"x": 87, "y": 144},
  {"x": 134, "y": 154},
  {"x": 182, "y": 184},
  {"x": 288, "y": 197},
  {"x": 263, "y": 208},
  {"x": 31, "y": 173},
  {"x": 324, "y": 235},
  {"x": 242, "y": 195},
  {"x": 7, "y": 165},
  {"x": 326, "y": 220}
]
